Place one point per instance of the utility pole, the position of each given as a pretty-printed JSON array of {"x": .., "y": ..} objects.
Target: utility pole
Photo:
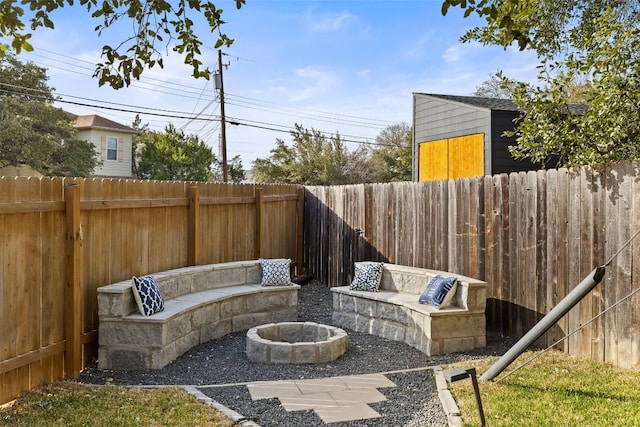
[{"x": 223, "y": 130}]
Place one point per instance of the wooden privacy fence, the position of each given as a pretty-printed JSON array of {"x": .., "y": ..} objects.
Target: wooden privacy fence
[
  {"x": 531, "y": 236},
  {"x": 61, "y": 239}
]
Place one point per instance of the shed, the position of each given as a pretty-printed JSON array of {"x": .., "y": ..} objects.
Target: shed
[{"x": 462, "y": 136}]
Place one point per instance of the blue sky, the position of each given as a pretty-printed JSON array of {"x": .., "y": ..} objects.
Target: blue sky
[{"x": 337, "y": 66}]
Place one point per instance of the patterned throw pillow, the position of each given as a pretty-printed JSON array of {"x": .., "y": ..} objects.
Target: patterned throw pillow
[
  {"x": 147, "y": 295},
  {"x": 275, "y": 272},
  {"x": 439, "y": 292},
  {"x": 366, "y": 276}
]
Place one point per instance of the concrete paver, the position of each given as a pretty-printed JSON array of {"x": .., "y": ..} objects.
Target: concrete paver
[{"x": 333, "y": 399}]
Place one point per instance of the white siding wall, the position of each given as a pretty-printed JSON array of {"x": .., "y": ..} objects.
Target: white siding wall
[{"x": 122, "y": 166}]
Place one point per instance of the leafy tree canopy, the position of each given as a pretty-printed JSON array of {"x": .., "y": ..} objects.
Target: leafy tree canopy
[
  {"x": 34, "y": 132},
  {"x": 152, "y": 27},
  {"x": 589, "y": 53},
  {"x": 313, "y": 159},
  {"x": 392, "y": 157},
  {"x": 317, "y": 159},
  {"x": 495, "y": 87},
  {"x": 172, "y": 155},
  {"x": 235, "y": 170}
]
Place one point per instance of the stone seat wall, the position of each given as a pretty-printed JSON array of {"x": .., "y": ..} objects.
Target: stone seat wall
[
  {"x": 201, "y": 303},
  {"x": 395, "y": 313}
]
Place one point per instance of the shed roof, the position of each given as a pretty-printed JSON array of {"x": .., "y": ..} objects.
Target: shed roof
[
  {"x": 495, "y": 104},
  {"x": 478, "y": 101}
]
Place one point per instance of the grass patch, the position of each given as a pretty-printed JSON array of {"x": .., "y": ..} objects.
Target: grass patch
[
  {"x": 554, "y": 390},
  {"x": 72, "y": 404}
]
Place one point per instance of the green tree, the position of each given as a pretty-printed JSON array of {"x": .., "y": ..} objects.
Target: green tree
[
  {"x": 589, "y": 53},
  {"x": 392, "y": 157},
  {"x": 148, "y": 28},
  {"x": 313, "y": 159},
  {"x": 609, "y": 128},
  {"x": 34, "y": 132},
  {"x": 172, "y": 155},
  {"x": 495, "y": 87},
  {"x": 235, "y": 170}
]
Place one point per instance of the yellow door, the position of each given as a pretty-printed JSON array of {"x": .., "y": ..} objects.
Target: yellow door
[
  {"x": 434, "y": 159},
  {"x": 466, "y": 156}
]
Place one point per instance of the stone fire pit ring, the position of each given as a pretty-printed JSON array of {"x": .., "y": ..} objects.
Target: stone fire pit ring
[{"x": 296, "y": 343}]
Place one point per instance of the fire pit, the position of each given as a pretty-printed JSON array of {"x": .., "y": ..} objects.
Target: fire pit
[{"x": 295, "y": 342}]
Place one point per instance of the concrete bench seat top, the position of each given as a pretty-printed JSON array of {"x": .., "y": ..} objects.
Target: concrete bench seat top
[
  {"x": 182, "y": 304},
  {"x": 401, "y": 299}
]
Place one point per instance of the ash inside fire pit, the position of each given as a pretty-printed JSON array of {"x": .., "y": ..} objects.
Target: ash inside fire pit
[{"x": 295, "y": 342}]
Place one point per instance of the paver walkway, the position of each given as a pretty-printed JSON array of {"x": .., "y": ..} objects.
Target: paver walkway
[{"x": 333, "y": 399}]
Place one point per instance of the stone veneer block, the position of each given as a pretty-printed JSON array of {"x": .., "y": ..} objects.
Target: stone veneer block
[
  {"x": 366, "y": 307},
  {"x": 388, "y": 330},
  {"x": 224, "y": 277},
  {"x": 280, "y": 352},
  {"x": 304, "y": 352},
  {"x": 128, "y": 359},
  {"x": 265, "y": 301},
  {"x": 206, "y": 315},
  {"x": 177, "y": 327},
  {"x": 452, "y": 345},
  {"x": 141, "y": 343},
  {"x": 285, "y": 315},
  {"x": 120, "y": 333},
  {"x": 231, "y": 307},
  {"x": 344, "y": 320},
  {"x": 254, "y": 273},
  {"x": 246, "y": 321},
  {"x": 415, "y": 283},
  {"x": 185, "y": 283},
  {"x": 397, "y": 316},
  {"x": 215, "y": 330}
]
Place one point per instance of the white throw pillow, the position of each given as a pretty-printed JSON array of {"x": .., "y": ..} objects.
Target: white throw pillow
[
  {"x": 366, "y": 276},
  {"x": 276, "y": 272}
]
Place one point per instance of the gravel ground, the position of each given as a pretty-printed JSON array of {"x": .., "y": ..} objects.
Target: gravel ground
[{"x": 414, "y": 402}]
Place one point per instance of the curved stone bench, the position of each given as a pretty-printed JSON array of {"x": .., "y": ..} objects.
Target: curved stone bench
[
  {"x": 395, "y": 313},
  {"x": 201, "y": 303}
]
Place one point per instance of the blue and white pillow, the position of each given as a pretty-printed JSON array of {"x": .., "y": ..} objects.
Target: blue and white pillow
[
  {"x": 439, "y": 292},
  {"x": 366, "y": 276},
  {"x": 276, "y": 272},
  {"x": 147, "y": 295}
]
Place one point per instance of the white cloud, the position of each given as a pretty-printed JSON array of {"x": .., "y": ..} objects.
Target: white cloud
[
  {"x": 453, "y": 54},
  {"x": 365, "y": 74},
  {"x": 328, "y": 22},
  {"x": 315, "y": 81},
  {"x": 418, "y": 48}
]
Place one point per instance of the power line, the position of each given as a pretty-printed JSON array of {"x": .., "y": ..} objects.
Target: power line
[
  {"x": 176, "y": 114},
  {"x": 329, "y": 117},
  {"x": 363, "y": 119}
]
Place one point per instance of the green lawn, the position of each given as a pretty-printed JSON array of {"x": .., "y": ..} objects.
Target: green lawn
[
  {"x": 554, "y": 390},
  {"x": 71, "y": 404}
]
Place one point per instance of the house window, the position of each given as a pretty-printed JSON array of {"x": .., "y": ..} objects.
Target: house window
[{"x": 112, "y": 148}]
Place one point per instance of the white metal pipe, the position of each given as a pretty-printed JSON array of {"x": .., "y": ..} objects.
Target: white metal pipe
[{"x": 562, "y": 308}]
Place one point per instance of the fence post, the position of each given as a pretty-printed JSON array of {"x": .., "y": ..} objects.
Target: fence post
[
  {"x": 258, "y": 240},
  {"x": 194, "y": 226},
  {"x": 73, "y": 311},
  {"x": 300, "y": 231}
]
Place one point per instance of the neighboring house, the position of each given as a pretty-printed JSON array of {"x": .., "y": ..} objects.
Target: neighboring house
[
  {"x": 113, "y": 143},
  {"x": 462, "y": 136}
]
